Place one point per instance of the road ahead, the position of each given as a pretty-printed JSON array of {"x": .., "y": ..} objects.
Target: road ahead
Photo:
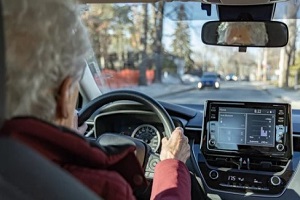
[{"x": 233, "y": 91}]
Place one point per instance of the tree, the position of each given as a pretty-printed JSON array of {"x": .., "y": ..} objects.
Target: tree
[
  {"x": 291, "y": 47},
  {"x": 287, "y": 56},
  {"x": 157, "y": 44},
  {"x": 97, "y": 20},
  {"x": 240, "y": 64},
  {"x": 144, "y": 39},
  {"x": 181, "y": 42},
  {"x": 113, "y": 33},
  {"x": 118, "y": 28}
]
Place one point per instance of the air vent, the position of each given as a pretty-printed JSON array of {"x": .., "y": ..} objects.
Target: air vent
[
  {"x": 223, "y": 162},
  {"x": 271, "y": 165},
  {"x": 254, "y": 164}
]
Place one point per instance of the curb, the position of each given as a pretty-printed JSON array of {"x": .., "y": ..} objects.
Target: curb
[
  {"x": 263, "y": 88},
  {"x": 285, "y": 99},
  {"x": 270, "y": 93}
]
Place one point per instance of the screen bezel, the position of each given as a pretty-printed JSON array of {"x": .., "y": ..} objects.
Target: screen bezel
[{"x": 269, "y": 151}]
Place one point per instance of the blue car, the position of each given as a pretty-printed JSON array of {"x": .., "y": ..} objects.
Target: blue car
[{"x": 209, "y": 80}]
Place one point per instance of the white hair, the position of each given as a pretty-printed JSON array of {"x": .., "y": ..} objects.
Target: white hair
[{"x": 45, "y": 43}]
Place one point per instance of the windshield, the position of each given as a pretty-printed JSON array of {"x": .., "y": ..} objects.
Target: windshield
[{"x": 156, "y": 49}]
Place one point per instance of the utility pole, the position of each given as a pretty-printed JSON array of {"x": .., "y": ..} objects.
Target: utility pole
[
  {"x": 282, "y": 67},
  {"x": 259, "y": 65},
  {"x": 265, "y": 65}
]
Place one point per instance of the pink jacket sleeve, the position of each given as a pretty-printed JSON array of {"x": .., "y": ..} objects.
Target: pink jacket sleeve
[{"x": 171, "y": 181}]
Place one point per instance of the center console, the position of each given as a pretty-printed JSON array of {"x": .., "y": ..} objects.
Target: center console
[{"x": 246, "y": 147}]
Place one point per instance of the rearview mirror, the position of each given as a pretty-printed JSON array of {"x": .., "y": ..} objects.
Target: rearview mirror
[{"x": 245, "y": 33}]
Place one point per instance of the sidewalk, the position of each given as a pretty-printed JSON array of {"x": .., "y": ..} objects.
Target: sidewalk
[
  {"x": 291, "y": 96},
  {"x": 170, "y": 85}
]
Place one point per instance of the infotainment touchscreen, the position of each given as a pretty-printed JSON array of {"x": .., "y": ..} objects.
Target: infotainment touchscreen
[
  {"x": 247, "y": 127},
  {"x": 243, "y": 126}
]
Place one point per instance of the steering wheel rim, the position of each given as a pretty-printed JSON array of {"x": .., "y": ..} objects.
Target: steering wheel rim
[
  {"x": 152, "y": 158},
  {"x": 130, "y": 95}
]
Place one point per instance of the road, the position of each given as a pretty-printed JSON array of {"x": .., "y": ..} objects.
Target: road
[{"x": 233, "y": 91}]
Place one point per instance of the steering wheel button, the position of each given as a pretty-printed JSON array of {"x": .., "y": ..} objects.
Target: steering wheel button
[
  {"x": 153, "y": 163},
  {"x": 151, "y": 175}
]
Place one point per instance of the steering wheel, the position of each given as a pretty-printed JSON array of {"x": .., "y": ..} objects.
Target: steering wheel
[{"x": 148, "y": 157}]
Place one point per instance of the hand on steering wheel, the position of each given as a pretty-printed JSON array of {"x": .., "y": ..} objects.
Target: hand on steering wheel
[{"x": 176, "y": 147}]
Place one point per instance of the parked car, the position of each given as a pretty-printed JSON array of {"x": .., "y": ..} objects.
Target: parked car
[
  {"x": 209, "y": 80},
  {"x": 189, "y": 78}
]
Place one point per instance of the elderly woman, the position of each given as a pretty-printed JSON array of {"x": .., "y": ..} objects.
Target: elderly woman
[
  {"x": 46, "y": 46},
  {"x": 242, "y": 33}
]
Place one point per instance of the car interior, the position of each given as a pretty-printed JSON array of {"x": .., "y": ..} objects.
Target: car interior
[{"x": 239, "y": 149}]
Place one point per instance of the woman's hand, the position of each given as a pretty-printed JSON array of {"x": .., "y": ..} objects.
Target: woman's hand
[
  {"x": 176, "y": 147},
  {"x": 81, "y": 129}
]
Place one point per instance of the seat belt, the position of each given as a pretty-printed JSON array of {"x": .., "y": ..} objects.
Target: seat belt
[
  {"x": 2, "y": 69},
  {"x": 24, "y": 174}
]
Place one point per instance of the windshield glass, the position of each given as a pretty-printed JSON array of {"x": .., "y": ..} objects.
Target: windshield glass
[{"x": 156, "y": 49}]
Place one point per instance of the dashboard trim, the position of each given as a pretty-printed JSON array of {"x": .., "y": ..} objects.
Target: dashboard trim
[
  {"x": 296, "y": 136},
  {"x": 194, "y": 129},
  {"x": 124, "y": 111},
  {"x": 117, "y": 112},
  {"x": 293, "y": 176}
]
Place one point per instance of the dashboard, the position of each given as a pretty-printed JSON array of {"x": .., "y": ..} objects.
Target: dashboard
[{"x": 239, "y": 149}]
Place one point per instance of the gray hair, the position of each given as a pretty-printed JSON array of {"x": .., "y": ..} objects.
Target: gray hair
[{"x": 45, "y": 43}]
